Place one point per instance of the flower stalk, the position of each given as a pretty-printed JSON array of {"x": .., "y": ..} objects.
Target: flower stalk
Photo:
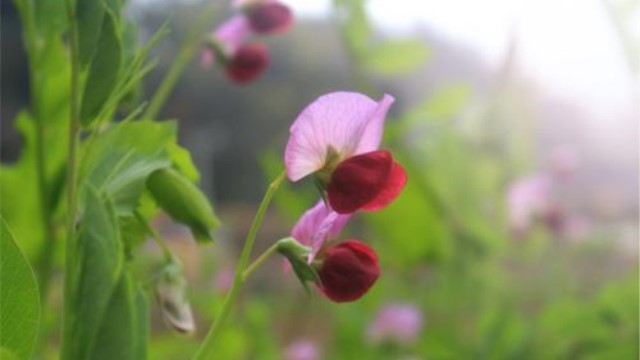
[
  {"x": 208, "y": 344},
  {"x": 72, "y": 199}
]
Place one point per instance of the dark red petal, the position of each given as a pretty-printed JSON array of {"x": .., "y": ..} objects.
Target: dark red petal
[
  {"x": 358, "y": 180},
  {"x": 269, "y": 18},
  {"x": 248, "y": 62},
  {"x": 348, "y": 271},
  {"x": 396, "y": 182}
]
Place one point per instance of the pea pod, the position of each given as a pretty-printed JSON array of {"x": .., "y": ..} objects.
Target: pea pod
[{"x": 184, "y": 202}]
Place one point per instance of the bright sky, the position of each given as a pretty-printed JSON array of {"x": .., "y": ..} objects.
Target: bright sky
[{"x": 568, "y": 46}]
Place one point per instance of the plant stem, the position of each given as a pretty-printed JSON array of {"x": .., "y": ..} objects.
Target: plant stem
[
  {"x": 209, "y": 341},
  {"x": 159, "y": 240},
  {"x": 189, "y": 46},
  {"x": 259, "y": 261},
  {"x": 72, "y": 201}
]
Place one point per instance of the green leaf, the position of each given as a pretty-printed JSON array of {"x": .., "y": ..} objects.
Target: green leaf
[
  {"x": 98, "y": 273},
  {"x": 6, "y": 354},
  {"x": 182, "y": 161},
  {"x": 184, "y": 202},
  {"x": 50, "y": 16},
  {"x": 123, "y": 331},
  {"x": 90, "y": 16},
  {"x": 105, "y": 70},
  {"x": 396, "y": 57},
  {"x": 19, "y": 299},
  {"x": 120, "y": 160}
]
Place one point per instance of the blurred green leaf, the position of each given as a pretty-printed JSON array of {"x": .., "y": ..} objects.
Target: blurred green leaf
[
  {"x": 90, "y": 16},
  {"x": 182, "y": 161},
  {"x": 397, "y": 56},
  {"x": 412, "y": 228},
  {"x": 121, "y": 159},
  {"x": 51, "y": 17},
  {"x": 19, "y": 299},
  {"x": 99, "y": 270},
  {"x": 183, "y": 201},
  {"x": 104, "y": 71},
  {"x": 6, "y": 354},
  {"x": 20, "y": 192},
  {"x": 123, "y": 331}
]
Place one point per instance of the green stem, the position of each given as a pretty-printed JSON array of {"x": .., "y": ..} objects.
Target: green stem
[
  {"x": 208, "y": 344},
  {"x": 72, "y": 201},
  {"x": 159, "y": 240},
  {"x": 189, "y": 47},
  {"x": 259, "y": 261}
]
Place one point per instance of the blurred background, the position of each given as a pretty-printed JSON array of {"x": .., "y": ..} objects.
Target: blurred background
[{"x": 517, "y": 121}]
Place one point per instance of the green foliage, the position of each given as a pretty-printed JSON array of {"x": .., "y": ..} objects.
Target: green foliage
[
  {"x": 119, "y": 161},
  {"x": 104, "y": 71},
  {"x": 181, "y": 199},
  {"x": 124, "y": 330},
  {"x": 396, "y": 57},
  {"x": 99, "y": 271},
  {"x": 19, "y": 300}
]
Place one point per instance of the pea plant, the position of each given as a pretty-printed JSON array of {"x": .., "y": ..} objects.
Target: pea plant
[{"x": 97, "y": 166}]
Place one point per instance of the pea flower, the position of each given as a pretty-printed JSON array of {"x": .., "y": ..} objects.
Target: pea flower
[
  {"x": 302, "y": 350},
  {"x": 266, "y": 16},
  {"x": 528, "y": 198},
  {"x": 399, "y": 323},
  {"x": 242, "y": 61},
  {"x": 336, "y": 139},
  {"x": 346, "y": 270}
]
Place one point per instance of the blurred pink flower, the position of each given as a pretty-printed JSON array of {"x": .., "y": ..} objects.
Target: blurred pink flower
[
  {"x": 527, "y": 198},
  {"x": 302, "y": 350},
  {"x": 336, "y": 139},
  {"x": 243, "y": 61},
  {"x": 400, "y": 323},
  {"x": 564, "y": 161}
]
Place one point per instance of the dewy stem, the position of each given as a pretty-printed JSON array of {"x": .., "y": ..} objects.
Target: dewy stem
[
  {"x": 72, "y": 201},
  {"x": 209, "y": 341},
  {"x": 186, "y": 53}
]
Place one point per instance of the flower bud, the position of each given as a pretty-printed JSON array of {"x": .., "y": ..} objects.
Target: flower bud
[
  {"x": 347, "y": 270},
  {"x": 183, "y": 201},
  {"x": 172, "y": 298},
  {"x": 247, "y": 63},
  {"x": 269, "y": 18}
]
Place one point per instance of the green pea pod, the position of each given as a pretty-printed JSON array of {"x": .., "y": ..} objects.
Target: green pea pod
[{"x": 184, "y": 202}]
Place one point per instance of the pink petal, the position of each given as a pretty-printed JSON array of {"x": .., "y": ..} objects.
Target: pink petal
[
  {"x": 318, "y": 224},
  {"x": 207, "y": 58},
  {"x": 349, "y": 123},
  {"x": 527, "y": 198},
  {"x": 233, "y": 33}
]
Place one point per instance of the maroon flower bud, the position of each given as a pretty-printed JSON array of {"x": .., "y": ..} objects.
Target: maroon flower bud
[
  {"x": 347, "y": 270},
  {"x": 247, "y": 63},
  {"x": 269, "y": 18},
  {"x": 368, "y": 181}
]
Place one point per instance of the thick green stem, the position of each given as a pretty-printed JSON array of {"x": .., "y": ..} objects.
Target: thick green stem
[
  {"x": 208, "y": 344},
  {"x": 72, "y": 201},
  {"x": 189, "y": 47}
]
